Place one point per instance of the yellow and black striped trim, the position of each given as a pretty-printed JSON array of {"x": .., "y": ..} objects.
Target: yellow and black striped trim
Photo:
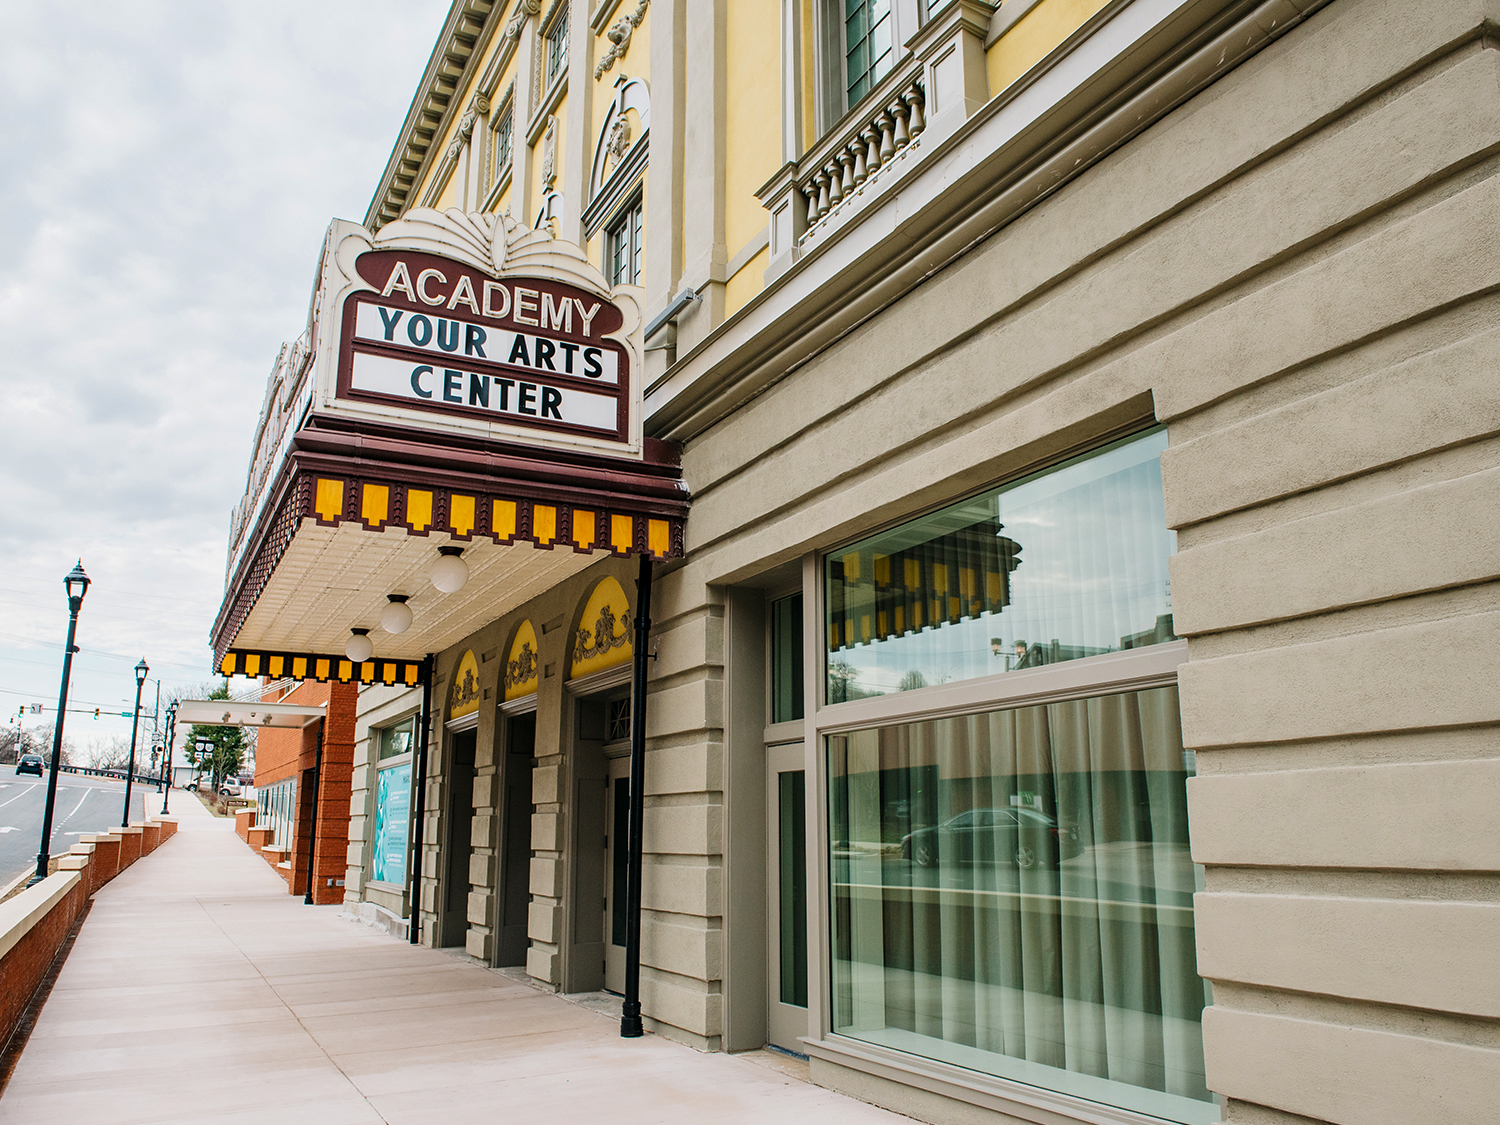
[
  {"x": 321, "y": 667},
  {"x": 378, "y": 505}
]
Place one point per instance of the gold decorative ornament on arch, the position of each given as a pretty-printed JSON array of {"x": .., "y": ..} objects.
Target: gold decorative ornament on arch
[
  {"x": 521, "y": 667},
  {"x": 463, "y": 698},
  {"x": 602, "y": 640}
]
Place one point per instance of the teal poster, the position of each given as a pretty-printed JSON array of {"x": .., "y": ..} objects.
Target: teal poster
[{"x": 392, "y": 809}]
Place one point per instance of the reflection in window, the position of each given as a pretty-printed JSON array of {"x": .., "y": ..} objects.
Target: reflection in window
[
  {"x": 1067, "y": 563},
  {"x": 1013, "y": 893},
  {"x": 867, "y": 45},
  {"x": 397, "y": 740}
]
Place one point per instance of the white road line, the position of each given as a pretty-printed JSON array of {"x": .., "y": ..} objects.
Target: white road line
[
  {"x": 78, "y": 806},
  {"x": 21, "y": 794}
]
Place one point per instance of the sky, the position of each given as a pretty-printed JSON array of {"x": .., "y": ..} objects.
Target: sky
[{"x": 172, "y": 167}]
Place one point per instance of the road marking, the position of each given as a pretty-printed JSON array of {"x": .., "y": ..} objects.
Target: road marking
[
  {"x": 8, "y": 828},
  {"x": 78, "y": 806},
  {"x": 21, "y": 794}
]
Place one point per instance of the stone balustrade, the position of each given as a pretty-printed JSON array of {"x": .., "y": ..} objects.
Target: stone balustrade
[
  {"x": 863, "y": 151},
  {"x": 937, "y": 84}
]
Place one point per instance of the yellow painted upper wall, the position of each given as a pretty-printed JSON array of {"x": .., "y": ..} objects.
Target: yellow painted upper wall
[
  {"x": 745, "y": 284},
  {"x": 809, "y": 83},
  {"x": 1030, "y": 40},
  {"x": 448, "y": 197},
  {"x": 752, "y": 119}
]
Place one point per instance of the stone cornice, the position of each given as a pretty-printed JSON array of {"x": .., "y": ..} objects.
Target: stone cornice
[{"x": 467, "y": 29}]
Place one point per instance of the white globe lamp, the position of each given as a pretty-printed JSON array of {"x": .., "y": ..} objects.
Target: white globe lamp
[
  {"x": 396, "y": 616},
  {"x": 358, "y": 647},
  {"x": 450, "y": 573}
]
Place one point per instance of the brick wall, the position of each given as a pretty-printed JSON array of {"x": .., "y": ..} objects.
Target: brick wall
[{"x": 281, "y": 754}]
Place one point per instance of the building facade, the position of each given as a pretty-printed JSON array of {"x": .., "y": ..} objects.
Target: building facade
[{"x": 1069, "y": 697}]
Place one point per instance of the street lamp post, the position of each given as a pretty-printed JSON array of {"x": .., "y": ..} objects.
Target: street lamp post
[
  {"x": 77, "y": 585},
  {"x": 166, "y": 795},
  {"x": 135, "y": 723}
]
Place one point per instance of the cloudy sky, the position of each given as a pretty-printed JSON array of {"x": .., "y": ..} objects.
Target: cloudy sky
[{"x": 171, "y": 167}]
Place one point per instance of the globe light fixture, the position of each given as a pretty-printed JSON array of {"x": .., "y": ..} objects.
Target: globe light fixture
[
  {"x": 396, "y": 616},
  {"x": 358, "y": 648},
  {"x": 450, "y": 573}
]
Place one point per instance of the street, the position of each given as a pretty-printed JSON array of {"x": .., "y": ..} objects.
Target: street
[{"x": 84, "y": 805}]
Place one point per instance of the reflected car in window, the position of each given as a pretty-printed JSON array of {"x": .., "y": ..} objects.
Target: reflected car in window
[{"x": 1023, "y": 838}]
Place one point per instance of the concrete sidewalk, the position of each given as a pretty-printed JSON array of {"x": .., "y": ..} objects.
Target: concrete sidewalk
[{"x": 199, "y": 990}]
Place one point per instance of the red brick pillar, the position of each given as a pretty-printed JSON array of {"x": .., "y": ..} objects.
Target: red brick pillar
[{"x": 334, "y": 788}]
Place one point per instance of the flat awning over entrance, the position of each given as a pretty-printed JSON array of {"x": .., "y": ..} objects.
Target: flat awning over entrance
[
  {"x": 233, "y": 713},
  {"x": 358, "y": 515}
]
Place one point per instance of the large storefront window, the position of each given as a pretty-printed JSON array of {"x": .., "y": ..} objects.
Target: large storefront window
[
  {"x": 1013, "y": 893},
  {"x": 276, "y": 809},
  {"x": 1068, "y": 563},
  {"x": 392, "y": 802}
]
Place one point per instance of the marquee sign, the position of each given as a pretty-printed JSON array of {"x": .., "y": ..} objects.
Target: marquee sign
[{"x": 436, "y": 335}]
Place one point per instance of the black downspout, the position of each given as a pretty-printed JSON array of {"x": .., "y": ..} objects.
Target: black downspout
[
  {"x": 312, "y": 836},
  {"x": 418, "y": 812},
  {"x": 630, "y": 1011}
]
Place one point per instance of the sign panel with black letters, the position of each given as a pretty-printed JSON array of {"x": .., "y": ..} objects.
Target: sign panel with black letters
[{"x": 436, "y": 334}]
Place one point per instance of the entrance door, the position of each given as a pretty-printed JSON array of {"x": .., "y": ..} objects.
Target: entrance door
[
  {"x": 786, "y": 887},
  {"x": 515, "y": 852},
  {"x": 457, "y": 844},
  {"x": 616, "y": 872}
]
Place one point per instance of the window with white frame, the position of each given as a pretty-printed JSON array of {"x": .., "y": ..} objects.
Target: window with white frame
[
  {"x": 555, "y": 49},
  {"x": 393, "y": 747},
  {"x": 276, "y": 809},
  {"x": 622, "y": 246},
  {"x": 502, "y": 130},
  {"x": 1010, "y": 879}
]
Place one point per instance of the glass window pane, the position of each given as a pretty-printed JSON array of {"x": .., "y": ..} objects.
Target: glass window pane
[
  {"x": 1053, "y": 948},
  {"x": 792, "y": 885},
  {"x": 1067, "y": 563},
  {"x": 786, "y": 659},
  {"x": 396, "y": 740},
  {"x": 392, "y": 820},
  {"x": 858, "y": 64}
]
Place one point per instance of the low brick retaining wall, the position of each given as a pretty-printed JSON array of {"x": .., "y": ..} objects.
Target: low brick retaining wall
[{"x": 35, "y": 923}]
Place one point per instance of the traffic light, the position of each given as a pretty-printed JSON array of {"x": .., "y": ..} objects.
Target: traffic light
[{"x": 96, "y": 714}]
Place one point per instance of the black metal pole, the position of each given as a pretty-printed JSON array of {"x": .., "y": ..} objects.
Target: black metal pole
[
  {"x": 135, "y": 725},
  {"x": 57, "y": 735},
  {"x": 630, "y": 1011},
  {"x": 166, "y": 793},
  {"x": 418, "y": 812},
  {"x": 312, "y": 835}
]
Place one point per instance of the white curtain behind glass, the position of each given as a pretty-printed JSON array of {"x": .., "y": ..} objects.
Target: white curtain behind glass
[{"x": 1082, "y": 962}]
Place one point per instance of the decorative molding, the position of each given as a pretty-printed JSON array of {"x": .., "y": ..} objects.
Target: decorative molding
[
  {"x": 619, "y": 35},
  {"x": 462, "y": 723},
  {"x": 525, "y": 705},
  {"x": 599, "y": 681},
  {"x": 549, "y": 154},
  {"x": 614, "y": 173},
  {"x": 525, "y": 9},
  {"x": 621, "y": 186},
  {"x": 431, "y": 109}
]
